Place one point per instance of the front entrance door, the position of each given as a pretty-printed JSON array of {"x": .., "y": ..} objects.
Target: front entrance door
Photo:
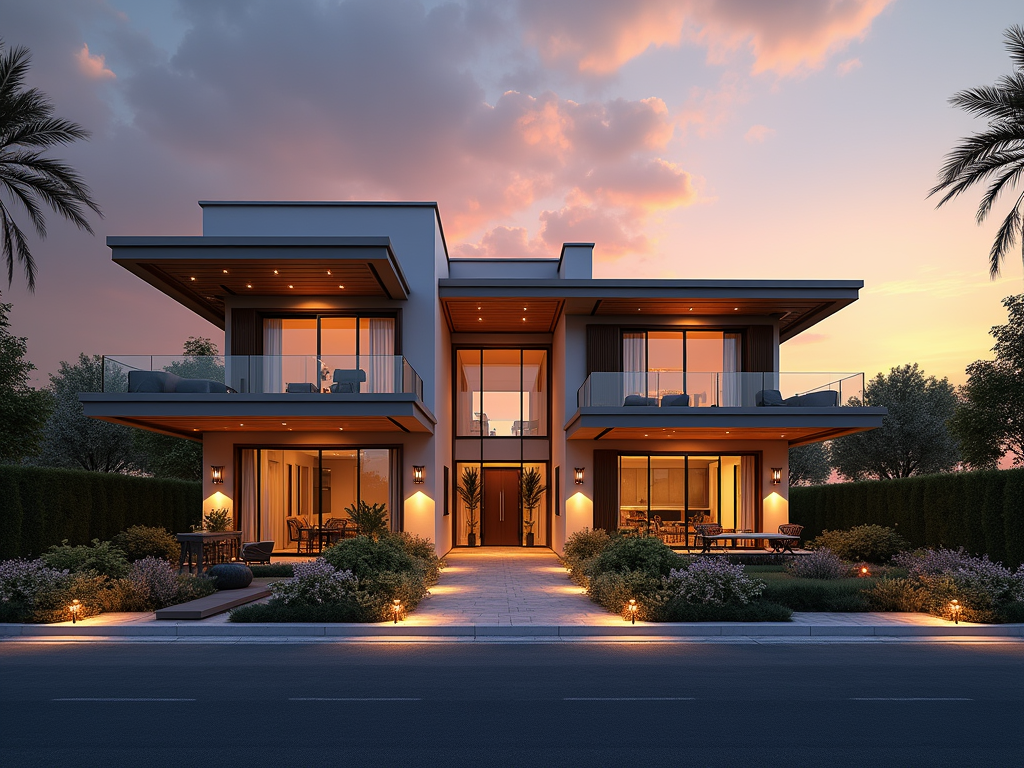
[{"x": 499, "y": 513}]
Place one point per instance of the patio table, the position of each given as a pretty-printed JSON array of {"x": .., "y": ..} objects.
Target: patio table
[
  {"x": 224, "y": 546},
  {"x": 780, "y": 542}
]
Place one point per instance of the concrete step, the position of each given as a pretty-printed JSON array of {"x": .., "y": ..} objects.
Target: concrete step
[{"x": 211, "y": 605}]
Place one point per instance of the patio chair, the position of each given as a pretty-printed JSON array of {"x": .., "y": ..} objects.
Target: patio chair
[
  {"x": 299, "y": 531},
  {"x": 256, "y": 552},
  {"x": 703, "y": 531},
  {"x": 348, "y": 381},
  {"x": 789, "y": 529}
]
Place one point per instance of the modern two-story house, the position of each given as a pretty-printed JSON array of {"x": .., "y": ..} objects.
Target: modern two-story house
[{"x": 362, "y": 363}]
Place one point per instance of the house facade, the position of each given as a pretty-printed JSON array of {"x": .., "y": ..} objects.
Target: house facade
[{"x": 363, "y": 365}]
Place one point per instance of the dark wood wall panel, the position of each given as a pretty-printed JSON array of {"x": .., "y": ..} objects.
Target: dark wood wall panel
[
  {"x": 606, "y": 490},
  {"x": 604, "y": 348},
  {"x": 246, "y": 332},
  {"x": 760, "y": 348}
]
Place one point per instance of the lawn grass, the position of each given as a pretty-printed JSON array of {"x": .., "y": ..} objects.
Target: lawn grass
[{"x": 833, "y": 595}]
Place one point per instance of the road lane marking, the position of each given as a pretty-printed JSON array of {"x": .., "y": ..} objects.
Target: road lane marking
[
  {"x": 118, "y": 699},
  {"x": 911, "y": 698},
  {"x": 629, "y": 698},
  {"x": 353, "y": 698}
]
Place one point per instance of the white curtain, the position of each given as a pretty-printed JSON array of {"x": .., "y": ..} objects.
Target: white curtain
[
  {"x": 248, "y": 490},
  {"x": 381, "y": 373},
  {"x": 634, "y": 364},
  {"x": 273, "y": 344},
  {"x": 731, "y": 396},
  {"x": 747, "y": 489}
]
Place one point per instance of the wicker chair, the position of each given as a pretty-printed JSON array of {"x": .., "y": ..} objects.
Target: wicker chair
[
  {"x": 789, "y": 529},
  {"x": 703, "y": 531},
  {"x": 299, "y": 532}
]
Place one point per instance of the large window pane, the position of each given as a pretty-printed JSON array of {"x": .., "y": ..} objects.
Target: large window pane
[
  {"x": 634, "y": 492},
  {"x": 535, "y": 394},
  {"x": 469, "y": 418},
  {"x": 502, "y": 404}
]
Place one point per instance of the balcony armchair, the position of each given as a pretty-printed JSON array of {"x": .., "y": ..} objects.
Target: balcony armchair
[
  {"x": 348, "y": 380},
  {"x": 163, "y": 381},
  {"x": 632, "y": 400},
  {"x": 773, "y": 398},
  {"x": 675, "y": 401}
]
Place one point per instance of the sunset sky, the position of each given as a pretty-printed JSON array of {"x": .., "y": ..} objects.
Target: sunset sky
[{"x": 687, "y": 138}]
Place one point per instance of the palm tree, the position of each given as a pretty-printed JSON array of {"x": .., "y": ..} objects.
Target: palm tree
[
  {"x": 997, "y": 152},
  {"x": 27, "y": 128}
]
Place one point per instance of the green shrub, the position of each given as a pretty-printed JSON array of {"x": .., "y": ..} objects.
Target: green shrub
[
  {"x": 867, "y": 543},
  {"x": 367, "y": 557},
  {"x": 678, "y": 609},
  {"x": 193, "y": 588},
  {"x": 838, "y": 595},
  {"x": 102, "y": 558},
  {"x": 273, "y": 569},
  {"x": 583, "y": 545},
  {"x": 638, "y": 553},
  {"x": 218, "y": 520},
  {"x": 422, "y": 550},
  {"x": 897, "y": 595},
  {"x": 279, "y": 613},
  {"x": 371, "y": 519},
  {"x": 820, "y": 564},
  {"x": 142, "y": 541},
  {"x": 613, "y": 590}
]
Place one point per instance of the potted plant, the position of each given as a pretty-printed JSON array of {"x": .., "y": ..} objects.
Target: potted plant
[
  {"x": 531, "y": 488},
  {"x": 370, "y": 519},
  {"x": 469, "y": 491},
  {"x": 217, "y": 521}
]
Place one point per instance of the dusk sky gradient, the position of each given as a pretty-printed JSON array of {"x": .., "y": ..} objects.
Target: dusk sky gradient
[{"x": 687, "y": 138}]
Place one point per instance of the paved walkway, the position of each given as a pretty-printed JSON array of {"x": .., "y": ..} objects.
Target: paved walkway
[{"x": 507, "y": 586}]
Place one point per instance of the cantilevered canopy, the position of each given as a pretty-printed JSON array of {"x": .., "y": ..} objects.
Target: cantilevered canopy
[
  {"x": 498, "y": 304},
  {"x": 199, "y": 272}
]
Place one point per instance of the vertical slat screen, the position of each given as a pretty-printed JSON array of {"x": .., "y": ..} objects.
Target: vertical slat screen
[
  {"x": 760, "y": 348},
  {"x": 606, "y": 490},
  {"x": 246, "y": 332},
  {"x": 604, "y": 348}
]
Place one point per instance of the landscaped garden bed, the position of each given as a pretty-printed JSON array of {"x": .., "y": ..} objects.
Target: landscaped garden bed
[
  {"x": 365, "y": 579},
  {"x": 134, "y": 572},
  {"x": 866, "y": 568}
]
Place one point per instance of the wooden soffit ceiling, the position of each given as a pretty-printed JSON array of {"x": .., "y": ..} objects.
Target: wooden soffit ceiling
[{"x": 504, "y": 315}]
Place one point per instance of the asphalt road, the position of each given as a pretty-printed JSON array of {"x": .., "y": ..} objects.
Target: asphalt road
[{"x": 564, "y": 705}]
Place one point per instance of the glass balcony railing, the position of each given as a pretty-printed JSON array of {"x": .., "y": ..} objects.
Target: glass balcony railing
[
  {"x": 262, "y": 374},
  {"x": 721, "y": 390}
]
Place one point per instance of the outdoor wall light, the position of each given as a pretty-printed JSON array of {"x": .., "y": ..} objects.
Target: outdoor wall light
[
  {"x": 217, "y": 475},
  {"x": 632, "y": 610},
  {"x": 955, "y": 610},
  {"x": 579, "y": 475},
  {"x": 396, "y": 608},
  {"x": 776, "y": 475},
  {"x": 417, "y": 475},
  {"x": 74, "y": 608}
]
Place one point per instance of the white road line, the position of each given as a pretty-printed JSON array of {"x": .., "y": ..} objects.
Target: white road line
[
  {"x": 629, "y": 698},
  {"x": 118, "y": 699},
  {"x": 352, "y": 698},
  {"x": 911, "y": 698}
]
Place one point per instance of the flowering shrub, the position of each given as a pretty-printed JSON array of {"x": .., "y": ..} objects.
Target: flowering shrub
[
  {"x": 22, "y": 580},
  {"x": 315, "y": 583},
  {"x": 157, "y": 579},
  {"x": 714, "y": 581},
  {"x": 32, "y": 591},
  {"x": 820, "y": 564},
  {"x": 870, "y": 543}
]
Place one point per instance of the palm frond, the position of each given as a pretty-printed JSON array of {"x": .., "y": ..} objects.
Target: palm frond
[
  {"x": 1002, "y": 137},
  {"x": 15, "y": 246},
  {"x": 1002, "y": 101},
  {"x": 974, "y": 173},
  {"x": 1005, "y": 239},
  {"x": 22, "y": 192},
  {"x": 59, "y": 186},
  {"x": 1014, "y": 37},
  {"x": 43, "y": 132},
  {"x": 1010, "y": 175}
]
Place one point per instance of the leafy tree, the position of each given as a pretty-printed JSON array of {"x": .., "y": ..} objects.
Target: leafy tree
[
  {"x": 27, "y": 129},
  {"x": 989, "y": 421},
  {"x": 23, "y": 410},
  {"x": 73, "y": 440},
  {"x": 200, "y": 361},
  {"x": 996, "y": 154},
  {"x": 914, "y": 438},
  {"x": 809, "y": 465}
]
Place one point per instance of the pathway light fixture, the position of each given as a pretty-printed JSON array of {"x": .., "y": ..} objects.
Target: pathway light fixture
[{"x": 632, "y": 610}]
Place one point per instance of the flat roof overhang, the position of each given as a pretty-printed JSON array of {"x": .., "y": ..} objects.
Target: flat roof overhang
[
  {"x": 798, "y": 426},
  {"x": 494, "y": 305},
  {"x": 189, "y": 415},
  {"x": 200, "y": 272}
]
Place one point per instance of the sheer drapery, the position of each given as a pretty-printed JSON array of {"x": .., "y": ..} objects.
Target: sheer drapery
[
  {"x": 381, "y": 369},
  {"x": 731, "y": 391},
  {"x": 748, "y": 487},
  {"x": 273, "y": 343},
  {"x": 247, "y": 506},
  {"x": 634, "y": 363}
]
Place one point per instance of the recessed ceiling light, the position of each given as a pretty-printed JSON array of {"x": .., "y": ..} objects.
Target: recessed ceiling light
[
  {"x": 192, "y": 279},
  {"x": 284, "y": 423},
  {"x": 341, "y": 286},
  {"x": 241, "y": 425},
  {"x": 691, "y": 309},
  {"x": 341, "y": 429},
  {"x": 735, "y": 309},
  {"x": 727, "y": 432},
  {"x": 480, "y": 319},
  {"x": 291, "y": 286},
  {"x": 524, "y": 319},
  {"x": 224, "y": 271},
  {"x": 328, "y": 271},
  {"x": 248, "y": 285},
  {"x": 524, "y": 309},
  {"x": 275, "y": 271},
  {"x": 479, "y": 308}
]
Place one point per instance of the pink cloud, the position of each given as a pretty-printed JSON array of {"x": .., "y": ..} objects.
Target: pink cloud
[
  {"x": 93, "y": 66},
  {"x": 846, "y": 67},
  {"x": 758, "y": 134}
]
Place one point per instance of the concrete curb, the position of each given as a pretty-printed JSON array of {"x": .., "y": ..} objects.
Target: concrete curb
[{"x": 168, "y": 629}]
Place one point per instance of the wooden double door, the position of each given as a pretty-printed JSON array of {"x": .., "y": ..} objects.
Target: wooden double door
[{"x": 500, "y": 513}]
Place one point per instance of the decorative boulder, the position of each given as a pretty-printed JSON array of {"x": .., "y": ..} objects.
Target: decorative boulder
[{"x": 230, "y": 576}]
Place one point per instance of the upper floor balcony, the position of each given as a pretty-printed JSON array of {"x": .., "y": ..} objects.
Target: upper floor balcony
[
  {"x": 186, "y": 395},
  {"x": 798, "y": 407}
]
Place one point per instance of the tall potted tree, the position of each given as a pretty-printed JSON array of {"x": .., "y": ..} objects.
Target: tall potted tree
[
  {"x": 531, "y": 488},
  {"x": 469, "y": 491}
]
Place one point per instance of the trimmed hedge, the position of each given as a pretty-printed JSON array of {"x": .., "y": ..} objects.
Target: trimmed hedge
[
  {"x": 40, "y": 507},
  {"x": 983, "y": 512}
]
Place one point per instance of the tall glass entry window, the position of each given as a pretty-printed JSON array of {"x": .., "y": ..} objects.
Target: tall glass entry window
[
  {"x": 696, "y": 363},
  {"x": 302, "y": 353},
  {"x": 669, "y": 495},
  {"x": 299, "y": 497},
  {"x": 502, "y": 393}
]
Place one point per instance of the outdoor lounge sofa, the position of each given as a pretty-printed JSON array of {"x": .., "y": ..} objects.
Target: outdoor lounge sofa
[
  {"x": 773, "y": 398},
  {"x": 667, "y": 401},
  {"x": 256, "y": 551},
  {"x": 162, "y": 381}
]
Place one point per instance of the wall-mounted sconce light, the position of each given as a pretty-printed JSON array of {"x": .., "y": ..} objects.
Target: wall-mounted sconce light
[
  {"x": 417, "y": 475},
  {"x": 217, "y": 475},
  {"x": 776, "y": 475},
  {"x": 579, "y": 475}
]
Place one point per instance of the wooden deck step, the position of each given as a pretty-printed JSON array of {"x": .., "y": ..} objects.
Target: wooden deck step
[{"x": 213, "y": 604}]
